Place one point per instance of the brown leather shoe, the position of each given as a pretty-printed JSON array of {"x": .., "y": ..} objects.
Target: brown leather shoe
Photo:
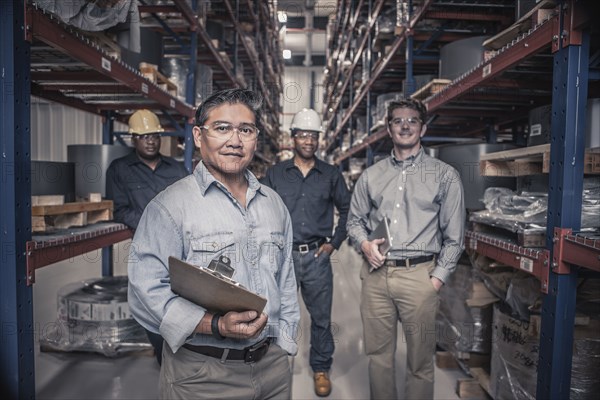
[{"x": 322, "y": 384}]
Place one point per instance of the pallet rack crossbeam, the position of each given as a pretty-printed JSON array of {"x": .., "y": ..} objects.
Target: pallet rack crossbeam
[{"x": 532, "y": 261}]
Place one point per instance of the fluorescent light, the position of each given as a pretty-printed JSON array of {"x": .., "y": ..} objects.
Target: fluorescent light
[
  {"x": 287, "y": 54},
  {"x": 282, "y": 17}
]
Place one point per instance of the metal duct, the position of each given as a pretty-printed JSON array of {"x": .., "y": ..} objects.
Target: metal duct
[{"x": 309, "y": 14}]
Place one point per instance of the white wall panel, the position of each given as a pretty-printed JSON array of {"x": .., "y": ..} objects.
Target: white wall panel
[
  {"x": 55, "y": 126},
  {"x": 298, "y": 89}
]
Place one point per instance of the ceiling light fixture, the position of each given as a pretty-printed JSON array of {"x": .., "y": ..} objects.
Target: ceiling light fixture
[{"x": 282, "y": 16}]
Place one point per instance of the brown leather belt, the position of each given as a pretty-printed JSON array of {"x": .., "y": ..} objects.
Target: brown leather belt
[
  {"x": 250, "y": 354},
  {"x": 408, "y": 262}
]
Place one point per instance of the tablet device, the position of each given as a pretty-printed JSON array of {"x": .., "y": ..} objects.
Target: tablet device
[{"x": 382, "y": 232}]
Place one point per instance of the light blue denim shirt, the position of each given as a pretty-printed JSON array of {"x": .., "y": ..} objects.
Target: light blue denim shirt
[
  {"x": 196, "y": 219},
  {"x": 424, "y": 201}
]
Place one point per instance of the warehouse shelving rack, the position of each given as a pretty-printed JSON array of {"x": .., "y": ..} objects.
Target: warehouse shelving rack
[
  {"x": 563, "y": 37},
  {"x": 88, "y": 70}
]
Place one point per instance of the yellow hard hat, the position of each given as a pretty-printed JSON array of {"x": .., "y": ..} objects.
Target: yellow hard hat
[{"x": 143, "y": 122}]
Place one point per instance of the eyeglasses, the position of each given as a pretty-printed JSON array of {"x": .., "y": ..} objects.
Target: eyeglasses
[
  {"x": 304, "y": 135},
  {"x": 149, "y": 137},
  {"x": 411, "y": 121},
  {"x": 224, "y": 131}
]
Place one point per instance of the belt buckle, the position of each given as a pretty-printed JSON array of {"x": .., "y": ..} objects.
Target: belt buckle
[
  {"x": 303, "y": 248},
  {"x": 255, "y": 353}
]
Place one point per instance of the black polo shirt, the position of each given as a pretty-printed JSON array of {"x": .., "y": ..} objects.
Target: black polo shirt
[
  {"x": 310, "y": 200},
  {"x": 131, "y": 184}
]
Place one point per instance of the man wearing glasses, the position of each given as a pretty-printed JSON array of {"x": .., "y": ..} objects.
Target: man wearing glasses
[
  {"x": 422, "y": 198},
  {"x": 310, "y": 188},
  {"x": 221, "y": 210},
  {"x": 132, "y": 181}
]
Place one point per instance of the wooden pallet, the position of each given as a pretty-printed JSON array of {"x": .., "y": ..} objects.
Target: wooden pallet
[
  {"x": 530, "y": 161},
  {"x": 449, "y": 360},
  {"x": 477, "y": 387},
  {"x": 46, "y": 218},
  {"x": 151, "y": 72},
  {"x": 430, "y": 89},
  {"x": 591, "y": 162}
]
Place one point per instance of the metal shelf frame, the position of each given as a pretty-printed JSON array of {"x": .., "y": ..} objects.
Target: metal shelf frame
[
  {"x": 22, "y": 254},
  {"x": 574, "y": 250},
  {"x": 530, "y": 260},
  {"x": 16, "y": 314},
  {"x": 565, "y": 35},
  {"x": 45, "y": 27},
  {"x": 43, "y": 252},
  {"x": 378, "y": 69}
]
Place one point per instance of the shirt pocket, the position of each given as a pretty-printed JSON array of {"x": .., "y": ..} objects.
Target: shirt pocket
[
  {"x": 134, "y": 186},
  {"x": 273, "y": 252},
  {"x": 208, "y": 247}
]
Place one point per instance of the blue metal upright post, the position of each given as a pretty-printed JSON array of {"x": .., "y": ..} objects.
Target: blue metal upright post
[
  {"x": 16, "y": 313},
  {"x": 409, "y": 87},
  {"x": 569, "y": 97},
  {"x": 369, "y": 66},
  {"x": 190, "y": 94},
  {"x": 108, "y": 128}
]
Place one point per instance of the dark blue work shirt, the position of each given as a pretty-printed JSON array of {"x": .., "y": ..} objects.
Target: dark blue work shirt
[
  {"x": 310, "y": 200},
  {"x": 131, "y": 184}
]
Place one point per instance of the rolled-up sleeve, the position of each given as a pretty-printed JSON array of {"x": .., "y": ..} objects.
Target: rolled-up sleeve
[{"x": 151, "y": 301}]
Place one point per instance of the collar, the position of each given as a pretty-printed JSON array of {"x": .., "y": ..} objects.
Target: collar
[
  {"x": 410, "y": 160},
  {"x": 205, "y": 180},
  {"x": 289, "y": 164},
  {"x": 132, "y": 158}
]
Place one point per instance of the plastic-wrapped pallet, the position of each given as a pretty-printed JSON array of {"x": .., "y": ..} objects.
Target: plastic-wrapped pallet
[
  {"x": 383, "y": 100},
  {"x": 464, "y": 318},
  {"x": 176, "y": 70},
  {"x": 93, "y": 316},
  {"x": 515, "y": 353}
]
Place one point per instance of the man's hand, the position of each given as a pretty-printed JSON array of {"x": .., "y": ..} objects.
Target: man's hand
[
  {"x": 370, "y": 249},
  {"x": 437, "y": 284},
  {"x": 325, "y": 248},
  {"x": 243, "y": 325}
]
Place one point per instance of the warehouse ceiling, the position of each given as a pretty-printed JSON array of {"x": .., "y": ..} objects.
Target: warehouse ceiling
[{"x": 303, "y": 28}]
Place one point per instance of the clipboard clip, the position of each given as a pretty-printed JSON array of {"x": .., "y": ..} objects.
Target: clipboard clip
[{"x": 222, "y": 266}]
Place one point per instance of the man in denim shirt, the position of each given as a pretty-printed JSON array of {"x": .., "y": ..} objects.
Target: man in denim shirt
[
  {"x": 221, "y": 209},
  {"x": 422, "y": 197},
  {"x": 311, "y": 188}
]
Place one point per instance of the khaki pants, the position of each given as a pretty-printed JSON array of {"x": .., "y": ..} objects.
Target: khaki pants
[
  {"x": 189, "y": 375},
  {"x": 390, "y": 294}
]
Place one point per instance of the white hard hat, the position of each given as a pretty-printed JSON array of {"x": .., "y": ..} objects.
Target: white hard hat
[{"x": 306, "y": 120}]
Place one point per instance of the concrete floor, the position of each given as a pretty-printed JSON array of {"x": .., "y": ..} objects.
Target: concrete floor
[{"x": 91, "y": 376}]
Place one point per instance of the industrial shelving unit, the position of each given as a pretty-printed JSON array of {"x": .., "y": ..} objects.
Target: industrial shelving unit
[
  {"x": 549, "y": 62},
  {"x": 73, "y": 69}
]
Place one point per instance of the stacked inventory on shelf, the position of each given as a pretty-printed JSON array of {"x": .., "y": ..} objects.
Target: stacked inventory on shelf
[
  {"x": 67, "y": 56},
  {"x": 90, "y": 71},
  {"x": 483, "y": 71}
]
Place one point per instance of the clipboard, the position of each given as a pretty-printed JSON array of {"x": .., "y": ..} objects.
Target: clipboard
[
  {"x": 217, "y": 294},
  {"x": 382, "y": 232}
]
